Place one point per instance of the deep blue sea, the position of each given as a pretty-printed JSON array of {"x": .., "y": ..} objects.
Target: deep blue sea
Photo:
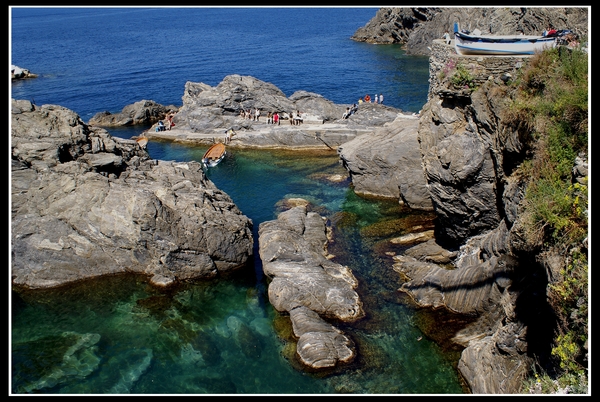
[{"x": 117, "y": 335}]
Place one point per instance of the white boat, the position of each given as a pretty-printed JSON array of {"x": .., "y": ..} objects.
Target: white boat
[
  {"x": 494, "y": 45},
  {"x": 215, "y": 154}
]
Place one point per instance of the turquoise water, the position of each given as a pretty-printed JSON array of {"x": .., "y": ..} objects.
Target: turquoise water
[{"x": 118, "y": 335}]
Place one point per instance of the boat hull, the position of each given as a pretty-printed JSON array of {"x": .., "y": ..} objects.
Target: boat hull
[
  {"x": 213, "y": 162},
  {"x": 214, "y": 155},
  {"x": 500, "y": 45},
  {"x": 523, "y": 47},
  {"x": 142, "y": 141}
]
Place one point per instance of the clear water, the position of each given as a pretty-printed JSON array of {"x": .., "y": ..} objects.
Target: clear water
[
  {"x": 118, "y": 335},
  {"x": 222, "y": 336},
  {"x": 102, "y": 59}
]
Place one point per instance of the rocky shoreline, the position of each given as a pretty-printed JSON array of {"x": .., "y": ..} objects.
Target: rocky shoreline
[{"x": 453, "y": 159}]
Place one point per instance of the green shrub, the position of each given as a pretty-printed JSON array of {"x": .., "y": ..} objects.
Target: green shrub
[
  {"x": 551, "y": 101},
  {"x": 462, "y": 78}
]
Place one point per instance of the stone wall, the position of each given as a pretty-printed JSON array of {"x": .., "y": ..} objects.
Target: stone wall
[{"x": 444, "y": 57}]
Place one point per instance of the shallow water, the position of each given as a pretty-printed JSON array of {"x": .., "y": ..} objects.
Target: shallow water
[{"x": 221, "y": 336}]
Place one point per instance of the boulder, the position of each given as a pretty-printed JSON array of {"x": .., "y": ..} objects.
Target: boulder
[
  {"x": 18, "y": 73},
  {"x": 387, "y": 163},
  {"x": 320, "y": 344},
  {"x": 144, "y": 112},
  {"x": 305, "y": 284},
  {"x": 85, "y": 204}
]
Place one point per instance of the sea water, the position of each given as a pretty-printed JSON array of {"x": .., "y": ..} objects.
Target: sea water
[{"x": 117, "y": 335}]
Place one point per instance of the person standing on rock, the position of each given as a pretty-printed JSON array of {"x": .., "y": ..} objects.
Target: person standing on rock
[
  {"x": 381, "y": 98},
  {"x": 228, "y": 134},
  {"x": 257, "y": 114},
  {"x": 276, "y": 118},
  {"x": 298, "y": 118},
  {"x": 376, "y": 98},
  {"x": 447, "y": 37}
]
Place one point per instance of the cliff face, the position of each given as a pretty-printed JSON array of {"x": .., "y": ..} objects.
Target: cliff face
[
  {"x": 470, "y": 158},
  {"x": 417, "y": 27}
]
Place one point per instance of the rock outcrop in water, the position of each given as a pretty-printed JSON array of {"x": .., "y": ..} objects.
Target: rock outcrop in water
[
  {"x": 308, "y": 286},
  {"x": 207, "y": 112},
  {"x": 18, "y": 73},
  {"x": 85, "y": 204}
]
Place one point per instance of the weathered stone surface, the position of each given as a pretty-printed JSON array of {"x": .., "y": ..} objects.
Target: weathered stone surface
[
  {"x": 417, "y": 27},
  {"x": 412, "y": 238},
  {"x": 320, "y": 344},
  {"x": 142, "y": 112},
  {"x": 387, "y": 163},
  {"x": 85, "y": 204},
  {"x": 18, "y": 73},
  {"x": 292, "y": 249},
  {"x": 492, "y": 371},
  {"x": 470, "y": 158},
  {"x": 463, "y": 162}
]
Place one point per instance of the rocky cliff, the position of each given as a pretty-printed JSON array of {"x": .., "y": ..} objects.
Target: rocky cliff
[
  {"x": 415, "y": 28},
  {"x": 470, "y": 158}
]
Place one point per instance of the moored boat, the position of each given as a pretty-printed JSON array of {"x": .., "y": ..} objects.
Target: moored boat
[
  {"x": 494, "y": 45},
  {"x": 213, "y": 155},
  {"x": 142, "y": 141}
]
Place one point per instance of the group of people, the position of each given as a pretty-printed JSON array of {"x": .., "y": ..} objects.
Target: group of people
[
  {"x": 166, "y": 124},
  {"x": 250, "y": 114},
  {"x": 296, "y": 118},
  {"x": 367, "y": 99},
  {"x": 350, "y": 111},
  {"x": 273, "y": 118}
]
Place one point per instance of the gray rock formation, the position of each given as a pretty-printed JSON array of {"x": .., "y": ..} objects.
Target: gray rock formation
[
  {"x": 415, "y": 28},
  {"x": 84, "y": 204},
  {"x": 144, "y": 112},
  {"x": 469, "y": 159},
  {"x": 387, "y": 163},
  {"x": 308, "y": 286},
  {"x": 211, "y": 110},
  {"x": 320, "y": 344},
  {"x": 18, "y": 73}
]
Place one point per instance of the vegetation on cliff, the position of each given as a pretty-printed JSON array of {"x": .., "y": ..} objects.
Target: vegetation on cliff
[{"x": 551, "y": 99}]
